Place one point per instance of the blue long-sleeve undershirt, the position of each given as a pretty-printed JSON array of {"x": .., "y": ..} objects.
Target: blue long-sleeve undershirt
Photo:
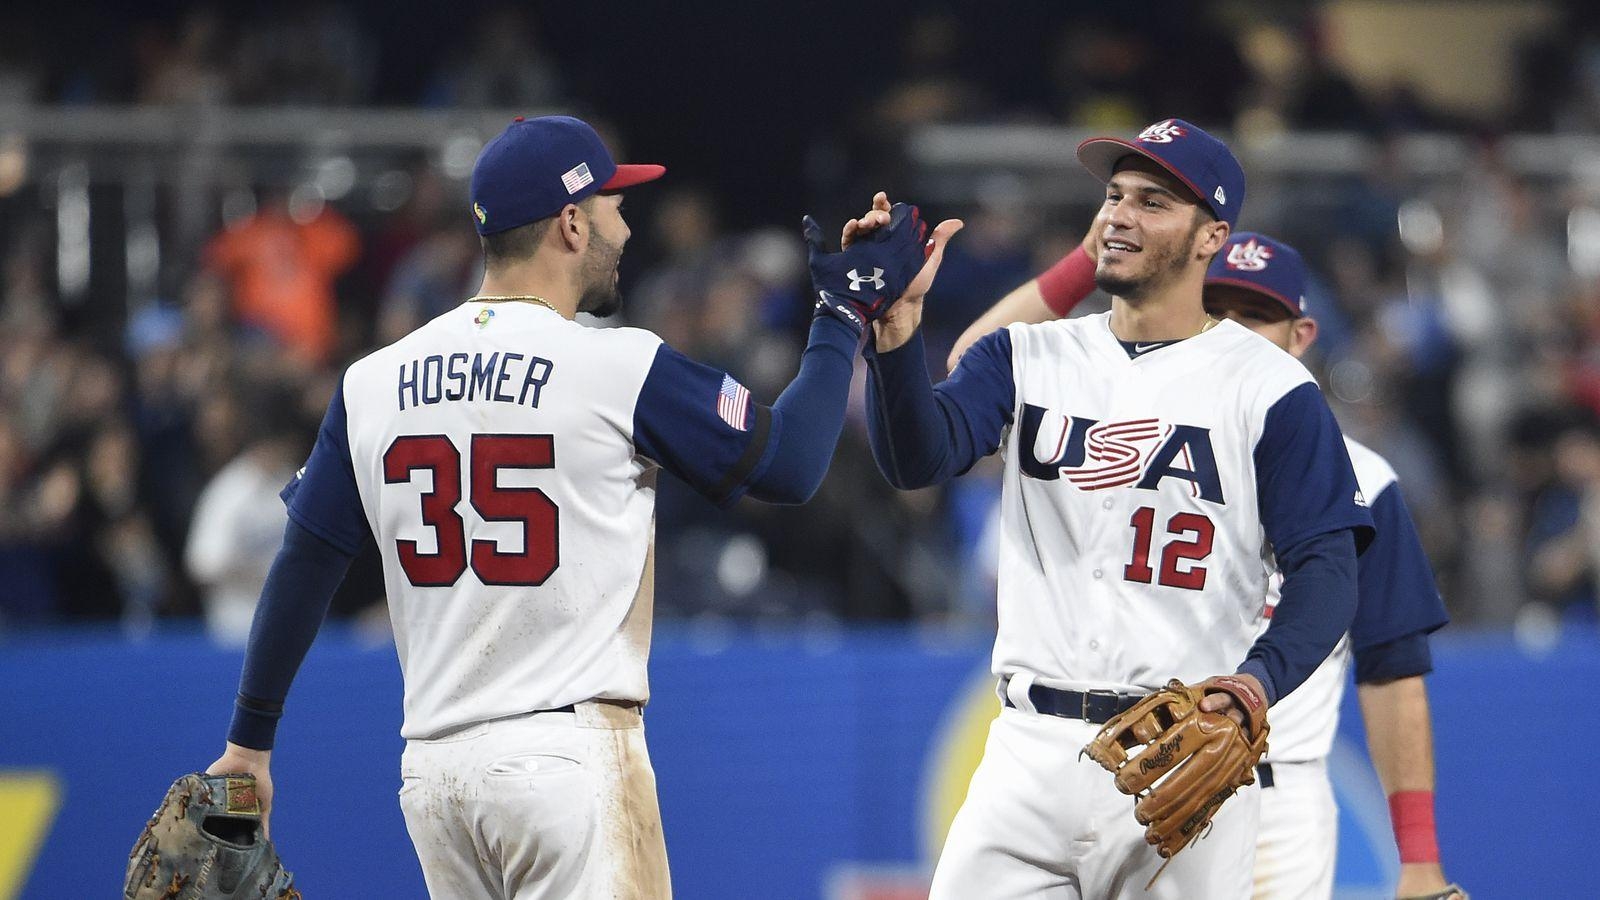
[
  {"x": 294, "y": 601},
  {"x": 923, "y": 434},
  {"x": 1317, "y": 605},
  {"x": 812, "y": 407}
]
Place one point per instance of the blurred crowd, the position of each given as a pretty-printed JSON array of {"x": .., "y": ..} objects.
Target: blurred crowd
[{"x": 143, "y": 440}]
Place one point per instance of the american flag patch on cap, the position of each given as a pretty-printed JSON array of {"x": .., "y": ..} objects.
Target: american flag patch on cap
[
  {"x": 577, "y": 178},
  {"x": 733, "y": 403}
]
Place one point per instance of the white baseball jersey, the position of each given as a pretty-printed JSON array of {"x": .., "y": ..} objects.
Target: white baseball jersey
[
  {"x": 1144, "y": 492},
  {"x": 504, "y": 458},
  {"x": 1144, "y": 495},
  {"x": 1398, "y": 598}
]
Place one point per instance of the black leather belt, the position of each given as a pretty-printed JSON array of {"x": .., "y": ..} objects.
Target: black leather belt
[
  {"x": 1094, "y": 707},
  {"x": 1264, "y": 775},
  {"x": 568, "y": 708}
]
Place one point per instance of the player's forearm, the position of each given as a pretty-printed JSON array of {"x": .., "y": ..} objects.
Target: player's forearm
[
  {"x": 808, "y": 416},
  {"x": 913, "y": 439},
  {"x": 1399, "y": 733},
  {"x": 1400, "y": 739},
  {"x": 1318, "y": 602},
  {"x": 299, "y": 587}
]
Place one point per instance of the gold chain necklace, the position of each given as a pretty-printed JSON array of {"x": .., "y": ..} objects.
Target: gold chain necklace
[
  {"x": 1207, "y": 326},
  {"x": 539, "y": 300}
]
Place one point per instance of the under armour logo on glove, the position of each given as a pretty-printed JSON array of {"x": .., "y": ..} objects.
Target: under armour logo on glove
[
  {"x": 856, "y": 279},
  {"x": 893, "y": 254}
]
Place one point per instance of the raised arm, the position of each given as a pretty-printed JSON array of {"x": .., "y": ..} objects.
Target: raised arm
[
  {"x": 921, "y": 434},
  {"x": 701, "y": 424}
]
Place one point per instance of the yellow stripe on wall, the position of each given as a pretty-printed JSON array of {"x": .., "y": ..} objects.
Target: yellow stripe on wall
[{"x": 28, "y": 804}]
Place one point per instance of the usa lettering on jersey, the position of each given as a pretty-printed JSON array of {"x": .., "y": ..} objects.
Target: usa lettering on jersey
[{"x": 1095, "y": 455}]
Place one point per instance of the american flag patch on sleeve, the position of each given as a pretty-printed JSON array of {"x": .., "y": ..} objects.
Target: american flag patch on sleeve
[{"x": 733, "y": 403}]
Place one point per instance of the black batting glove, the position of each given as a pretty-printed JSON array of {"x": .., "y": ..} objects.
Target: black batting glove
[{"x": 858, "y": 284}]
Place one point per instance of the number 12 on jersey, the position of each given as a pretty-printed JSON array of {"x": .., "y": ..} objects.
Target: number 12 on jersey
[
  {"x": 488, "y": 454},
  {"x": 1193, "y": 535}
]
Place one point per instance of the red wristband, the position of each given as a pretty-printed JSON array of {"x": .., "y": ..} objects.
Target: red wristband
[
  {"x": 1412, "y": 812},
  {"x": 1066, "y": 283}
]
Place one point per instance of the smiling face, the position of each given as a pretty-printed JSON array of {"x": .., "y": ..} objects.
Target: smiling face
[{"x": 1152, "y": 230}]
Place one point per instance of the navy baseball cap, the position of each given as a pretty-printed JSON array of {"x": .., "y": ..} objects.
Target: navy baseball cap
[
  {"x": 536, "y": 166},
  {"x": 1193, "y": 157},
  {"x": 1258, "y": 263}
]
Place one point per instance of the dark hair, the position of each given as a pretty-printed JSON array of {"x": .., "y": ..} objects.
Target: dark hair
[{"x": 514, "y": 245}]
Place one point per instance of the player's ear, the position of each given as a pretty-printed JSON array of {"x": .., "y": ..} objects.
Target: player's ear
[
  {"x": 1303, "y": 335},
  {"x": 1211, "y": 238},
  {"x": 572, "y": 227}
]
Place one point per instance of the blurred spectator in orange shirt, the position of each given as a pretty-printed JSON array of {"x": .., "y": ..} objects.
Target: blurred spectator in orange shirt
[{"x": 281, "y": 264}]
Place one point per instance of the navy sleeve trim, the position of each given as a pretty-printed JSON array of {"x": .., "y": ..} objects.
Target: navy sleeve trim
[
  {"x": 323, "y": 497},
  {"x": 340, "y": 543},
  {"x": 1305, "y": 483},
  {"x": 1405, "y": 657},
  {"x": 1398, "y": 594},
  {"x": 701, "y": 425}
]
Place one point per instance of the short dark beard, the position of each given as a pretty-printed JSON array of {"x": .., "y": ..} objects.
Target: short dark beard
[
  {"x": 600, "y": 296},
  {"x": 1166, "y": 266}
]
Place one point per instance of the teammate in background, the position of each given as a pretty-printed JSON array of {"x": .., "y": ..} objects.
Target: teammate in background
[
  {"x": 1260, "y": 283},
  {"x": 1160, "y": 467},
  {"x": 505, "y": 460}
]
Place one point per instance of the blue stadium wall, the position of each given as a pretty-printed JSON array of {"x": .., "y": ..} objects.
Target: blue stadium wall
[{"x": 791, "y": 764}]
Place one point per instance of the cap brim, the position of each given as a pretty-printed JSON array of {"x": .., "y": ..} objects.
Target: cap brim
[
  {"x": 1101, "y": 155},
  {"x": 630, "y": 175},
  {"x": 1293, "y": 308}
]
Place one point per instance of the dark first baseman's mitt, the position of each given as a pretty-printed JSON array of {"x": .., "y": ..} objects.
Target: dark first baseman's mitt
[
  {"x": 205, "y": 843},
  {"x": 1182, "y": 763}
]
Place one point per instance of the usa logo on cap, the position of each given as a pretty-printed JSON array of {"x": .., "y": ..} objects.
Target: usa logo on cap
[
  {"x": 1264, "y": 266},
  {"x": 1202, "y": 163},
  {"x": 1162, "y": 132},
  {"x": 1250, "y": 256}
]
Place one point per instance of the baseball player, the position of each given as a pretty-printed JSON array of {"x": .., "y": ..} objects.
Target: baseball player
[
  {"x": 1162, "y": 467},
  {"x": 1260, "y": 283},
  {"x": 504, "y": 458}
]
